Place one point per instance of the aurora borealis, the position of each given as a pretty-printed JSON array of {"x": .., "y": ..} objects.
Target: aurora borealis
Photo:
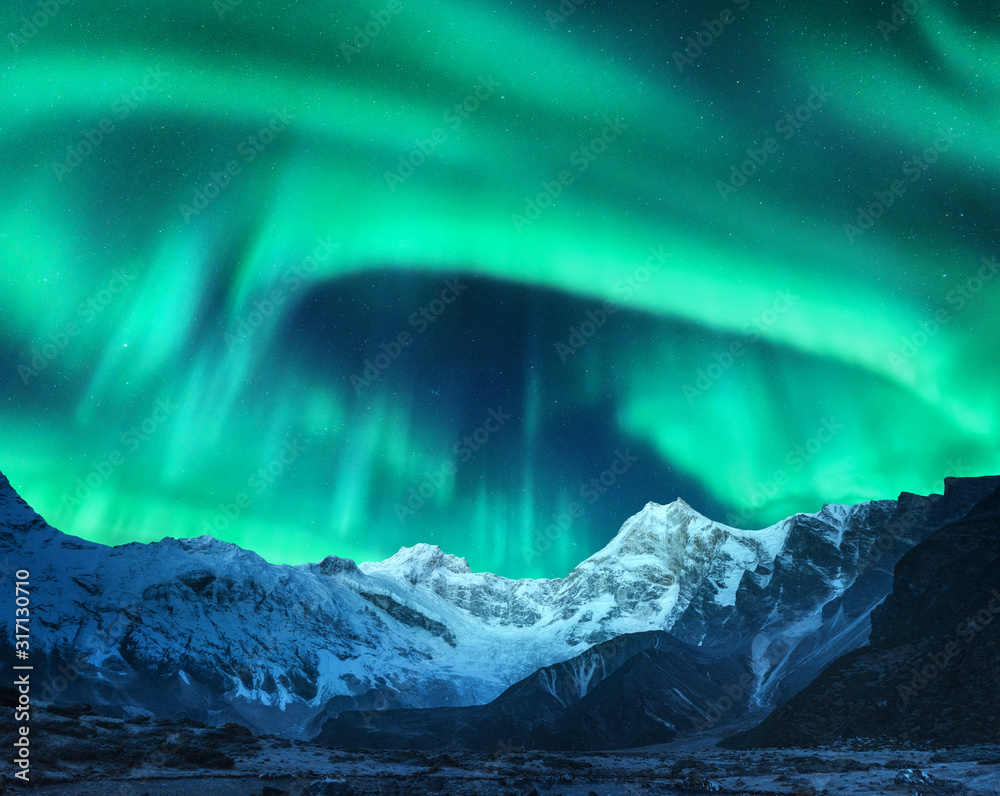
[{"x": 328, "y": 278}]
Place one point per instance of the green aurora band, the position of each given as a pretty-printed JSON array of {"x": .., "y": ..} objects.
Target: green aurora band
[{"x": 787, "y": 357}]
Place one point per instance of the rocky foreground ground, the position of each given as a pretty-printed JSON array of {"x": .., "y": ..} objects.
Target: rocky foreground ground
[{"x": 78, "y": 753}]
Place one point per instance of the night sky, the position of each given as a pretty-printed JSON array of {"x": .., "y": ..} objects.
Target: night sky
[{"x": 329, "y": 278}]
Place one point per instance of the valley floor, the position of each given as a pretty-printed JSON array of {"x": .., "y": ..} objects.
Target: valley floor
[{"x": 93, "y": 756}]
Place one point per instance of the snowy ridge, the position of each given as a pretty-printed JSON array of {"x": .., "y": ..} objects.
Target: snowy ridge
[
  {"x": 216, "y": 628},
  {"x": 15, "y": 513},
  {"x": 417, "y": 563}
]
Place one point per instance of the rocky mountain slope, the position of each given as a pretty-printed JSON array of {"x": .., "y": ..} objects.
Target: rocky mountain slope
[
  {"x": 202, "y": 628},
  {"x": 931, "y": 672},
  {"x": 635, "y": 690}
]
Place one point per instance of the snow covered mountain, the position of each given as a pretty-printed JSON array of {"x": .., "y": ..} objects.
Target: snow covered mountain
[{"x": 203, "y": 628}]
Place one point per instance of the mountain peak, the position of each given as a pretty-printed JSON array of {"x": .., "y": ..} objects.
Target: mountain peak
[
  {"x": 649, "y": 531},
  {"x": 13, "y": 508},
  {"x": 418, "y": 563},
  {"x": 681, "y": 507},
  {"x": 677, "y": 510}
]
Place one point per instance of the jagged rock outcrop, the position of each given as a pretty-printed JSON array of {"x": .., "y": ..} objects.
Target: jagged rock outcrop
[{"x": 930, "y": 671}]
